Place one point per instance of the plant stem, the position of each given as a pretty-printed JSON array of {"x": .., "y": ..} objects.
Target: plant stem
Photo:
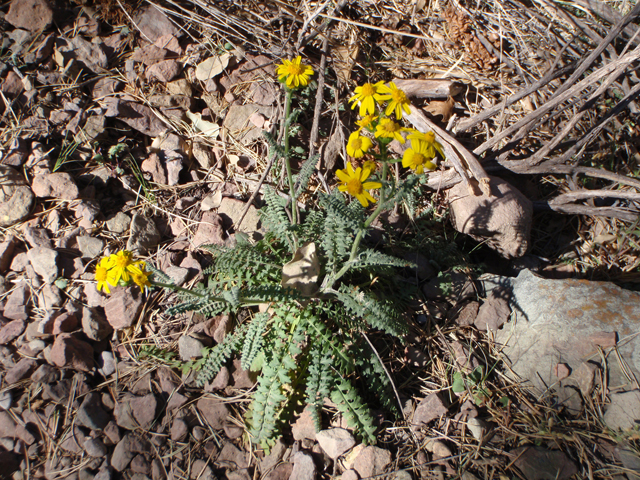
[{"x": 287, "y": 113}]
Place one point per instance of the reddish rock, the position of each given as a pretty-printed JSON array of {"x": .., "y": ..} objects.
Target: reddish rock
[
  {"x": 242, "y": 378},
  {"x": 12, "y": 85},
  {"x": 372, "y": 461},
  {"x": 11, "y": 331},
  {"x": 32, "y": 15},
  {"x": 65, "y": 323},
  {"x": 210, "y": 231},
  {"x": 16, "y": 306},
  {"x": 214, "y": 412},
  {"x": 16, "y": 198},
  {"x": 9, "y": 429},
  {"x": 153, "y": 165},
  {"x": 6, "y": 252},
  {"x": 56, "y": 185},
  {"x": 537, "y": 463},
  {"x": 123, "y": 307},
  {"x": 165, "y": 71},
  {"x": 428, "y": 409},
  {"x": 153, "y": 23},
  {"x": 20, "y": 371},
  {"x": 494, "y": 312},
  {"x": 149, "y": 55},
  {"x": 70, "y": 352}
]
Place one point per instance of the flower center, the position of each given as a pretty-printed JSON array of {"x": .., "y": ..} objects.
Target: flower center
[
  {"x": 121, "y": 261},
  {"x": 398, "y": 96},
  {"x": 101, "y": 274},
  {"x": 354, "y": 187},
  {"x": 356, "y": 144},
  {"x": 295, "y": 69},
  {"x": 367, "y": 90},
  {"x": 391, "y": 127},
  {"x": 418, "y": 159}
]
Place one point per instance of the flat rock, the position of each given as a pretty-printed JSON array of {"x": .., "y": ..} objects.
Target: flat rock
[
  {"x": 189, "y": 348},
  {"x": 335, "y": 441},
  {"x": 137, "y": 116},
  {"x": 567, "y": 321},
  {"x": 143, "y": 234},
  {"x": 303, "y": 467},
  {"x": 32, "y": 15},
  {"x": 44, "y": 262},
  {"x": 91, "y": 413},
  {"x": 153, "y": 165},
  {"x": 12, "y": 330},
  {"x": 119, "y": 223},
  {"x": 20, "y": 371},
  {"x": 123, "y": 307},
  {"x": 214, "y": 411},
  {"x": 231, "y": 210},
  {"x": 624, "y": 411},
  {"x": 57, "y": 185},
  {"x": 164, "y": 71},
  {"x": 37, "y": 237},
  {"x": 149, "y": 54},
  {"x": 90, "y": 54},
  {"x": 430, "y": 408},
  {"x": 210, "y": 230},
  {"x": 238, "y": 123},
  {"x": 494, "y": 311},
  {"x": 71, "y": 352},
  {"x": 90, "y": 247},
  {"x": 94, "y": 325},
  {"x": 502, "y": 221},
  {"x": 153, "y": 24},
  {"x": 6, "y": 252},
  {"x": 16, "y": 198},
  {"x": 133, "y": 411},
  {"x": 372, "y": 461},
  {"x": 536, "y": 463}
]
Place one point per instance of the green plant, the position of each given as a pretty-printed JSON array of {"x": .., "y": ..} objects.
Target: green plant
[{"x": 314, "y": 287}]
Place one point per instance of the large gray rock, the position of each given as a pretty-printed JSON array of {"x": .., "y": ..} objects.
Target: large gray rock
[
  {"x": 16, "y": 198},
  {"x": 568, "y": 322}
]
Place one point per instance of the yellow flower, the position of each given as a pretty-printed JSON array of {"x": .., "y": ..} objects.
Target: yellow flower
[
  {"x": 104, "y": 276},
  {"x": 398, "y": 100},
  {"x": 366, "y": 122},
  {"x": 369, "y": 165},
  {"x": 417, "y": 157},
  {"x": 296, "y": 73},
  {"x": 353, "y": 182},
  {"x": 139, "y": 275},
  {"x": 387, "y": 128},
  {"x": 121, "y": 264},
  {"x": 358, "y": 145},
  {"x": 430, "y": 139},
  {"x": 367, "y": 96}
]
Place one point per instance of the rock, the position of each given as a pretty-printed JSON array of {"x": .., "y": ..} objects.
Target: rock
[
  {"x": 5, "y": 400},
  {"x": 201, "y": 470},
  {"x": 143, "y": 234},
  {"x": 304, "y": 427},
  {"x": 438, "y": 448},
  {"x": 45, "y": 374},
  {"x": 16, "y": 306},
  {"x": 165, "y": 71},
  {"x": 123, "y": 307},
  {"x": 231, "y": 209},
  {"x": 65, "y": 323},
  {"x": 179, "y": 275},
  {"x": 242, "y": 378},
  {"x": 562, "y": 321},
  {"x": 536, "y": 463},
  {"x": 6, "y": 252},
  {"x": 230, "y": 454},
  {"x": 154, "y": 166},
  {"x": 134, "y": 411},
  {"x": 455, "y": 287},
  {"x": 430, "y": 408},
  {"x": 335, "y": 441},
  {"x": 70, "y": 352},
  {"x": 624, "y": 411},
  {"x": 154, "y": 24},
  {"x": 238, "y": 124},
  {"x": 179, "y": 430},
  {"x": 16, "y": 198},
  {"x": 44, "y": 262},
  {"x": 149, "y": 54},
  {"x": 12, "y": 330},
  {"x": 349, "y": 475},
  {"x": 9, "y": 429},
  {"x": 90, "y": 414},
  {"x": 20, "y": 371},
  {"x": 174, "y": 164},
  {"x": 214, "y": 412},
  {"x": 494, "y": 312},
  {"x": 189, "y": 348},
  {"x": 93, "y": 130},
  {"x": 203, "y": 155},
  {"x": 139, "y": 465},
  {"x": 126, "y": 449},
  {"x": 95, "y": 447},
  {"x": 137, "y": 116},
  {"x": 503, "y": 221},
  {"x": 371, "y": 461},
  {"x": 629, "y": 459},
  {"x": 119, "y": 223},
  {"x": 94, "y": 325},
  {"x": 303, "y": 467},
  {"x": 57, "y": 185},
  {"x": 37, "y": 237},
  {"x": 32, "y": 15},
  {"x": 478, "y": 428},
  {"x": 107, "y": 364},
  {"x": 210, "y": 231},
  {"x": 90, "y": 247}
]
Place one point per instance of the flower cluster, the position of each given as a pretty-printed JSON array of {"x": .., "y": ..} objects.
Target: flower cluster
[
  {"x": 120, "y": 269},
  {"x": 377, "y": 119},
  {"x": 294, "y": 73}
]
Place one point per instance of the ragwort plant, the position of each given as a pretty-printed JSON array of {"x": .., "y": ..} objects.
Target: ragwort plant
[{"x": 312, "y": 284}]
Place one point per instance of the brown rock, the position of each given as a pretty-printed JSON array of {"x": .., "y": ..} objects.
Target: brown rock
[
  {"x": 16, "y": 198},
  {"x": 154, "y": 24},
  {"x": 214, "y": 411},
  {"x": 9, "y": 429},
  {"x": 16, "y": 306},
  {"x": 428, "y": 409},
  {"x": 536, "y": 463},
  {"x": 304, "y": 427},
  {"x": 153, "y": 165},
  {"x": 372, "y": 461},
  {"x": 12, "y": 87},
  {"x": 11, "y": 331},
  {"x": 123, "y": 307},
  {"x": 6, "y": 252},
  {"x": 494, "y": 312},
  {"x": 32, "y": 15},
  {"x": 70, "y": 352},
  {"x": 210, "y": 231},
  {"x": 503, "y": 221},
  {"x": 149, "y": 55},
  {"x": 242, "y": 378},
  {"x": 137, "y": 116},
  {"x": 281, "y": 472},
  {"x": 165, "y": 71},
  {"x": 65, "y": 323},
  {"x": 230, "y": 454},
  {"x": 56, "y": 185},
  {"x": 20, "y": 371}
]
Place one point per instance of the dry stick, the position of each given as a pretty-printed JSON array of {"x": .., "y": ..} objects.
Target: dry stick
[
  {"x": 565, "y": 95},
  {"x": 572, "y": 209},
  {"x": 582, "y": 194},
  {"x": 451, "y": 146},
  {"x": 256, "y": 191}
]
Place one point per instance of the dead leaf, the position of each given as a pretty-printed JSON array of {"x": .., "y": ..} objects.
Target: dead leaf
[
  {"x": 330, "y": 150},
  {"x": 301, "y": 273},
  {"x": 208, "y": 129},
  {"x": 344, "y": 59},
  {"x": 212, "y": 66},
  {"x": 444, "y": 108}
]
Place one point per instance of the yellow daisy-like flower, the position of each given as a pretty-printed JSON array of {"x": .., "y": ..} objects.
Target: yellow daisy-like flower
[
  {"x": 387, "y": 128},
  {"x": 429, "y": 139},
  {"x": 353, "y": 182},
  {"x": 367, "y": 122},
  {"x": 358, "y": 145},
  {"x": 121, "y": 265},
  {"x": 417, "y": 157},
  {"x": 369, "y": 165},
  {"x": 139, "y": 275},
  {"x": 367, "y": 96},
  {"x": 296, "y": 73},
  {"x": 398, "y": 100},
  {"x": 104, "y": 276}
]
